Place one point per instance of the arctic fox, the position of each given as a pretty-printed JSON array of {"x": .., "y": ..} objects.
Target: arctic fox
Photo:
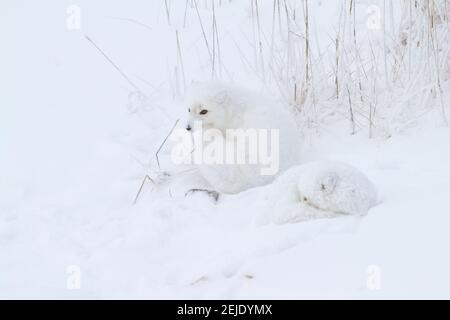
[
  {"x": 228, "y": 111},
  {"x": 320, "y": 189}
]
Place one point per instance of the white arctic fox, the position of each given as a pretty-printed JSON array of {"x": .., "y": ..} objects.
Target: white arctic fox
[
  {"x": 220, "y": 107},
  {"x": 319, "y": 189}
]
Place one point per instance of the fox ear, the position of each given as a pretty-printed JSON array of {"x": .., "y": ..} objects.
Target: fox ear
[
  {"x": 221, "y": 97},
  {"x": 329, "y": 183}
]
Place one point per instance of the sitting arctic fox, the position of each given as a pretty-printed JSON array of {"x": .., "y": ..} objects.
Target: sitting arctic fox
[{"x": 256, "y": 138}]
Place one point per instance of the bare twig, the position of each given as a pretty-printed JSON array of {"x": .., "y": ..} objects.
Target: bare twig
[
  {"x": 167, "y": 11},
  {"x": 259, "y": 40},
  {"x": 147, "y": 177},
  {"x": 352, "y": 118},
  {"x": 132, "y": 21},
  {"x": 164, "y": 142},
  {"x": 185, "y": 13},
  {"x": 180, "y": 57},
  {"x": 203, "y": 30},
  {"x": 114, "y": 65}
]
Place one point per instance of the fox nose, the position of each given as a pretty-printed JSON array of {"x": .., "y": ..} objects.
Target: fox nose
[{"x": 188, "y": 128}]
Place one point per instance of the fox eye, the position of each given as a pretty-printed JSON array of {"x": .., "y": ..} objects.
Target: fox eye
[{"x": 203, "y": 112}]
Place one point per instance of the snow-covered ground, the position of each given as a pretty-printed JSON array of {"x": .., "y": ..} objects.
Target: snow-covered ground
[{"x": 75, "y": 145}]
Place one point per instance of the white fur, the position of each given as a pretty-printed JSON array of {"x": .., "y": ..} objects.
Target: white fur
[
  {"x": 321, "y": 189},
  {"x": 231, "y": 107}
]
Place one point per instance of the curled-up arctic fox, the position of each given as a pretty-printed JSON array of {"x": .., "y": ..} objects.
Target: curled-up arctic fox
[{"x": 321, "y": 189}]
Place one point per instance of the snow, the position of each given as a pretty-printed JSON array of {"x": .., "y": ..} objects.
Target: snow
[{"x": 76, "y": 142}]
